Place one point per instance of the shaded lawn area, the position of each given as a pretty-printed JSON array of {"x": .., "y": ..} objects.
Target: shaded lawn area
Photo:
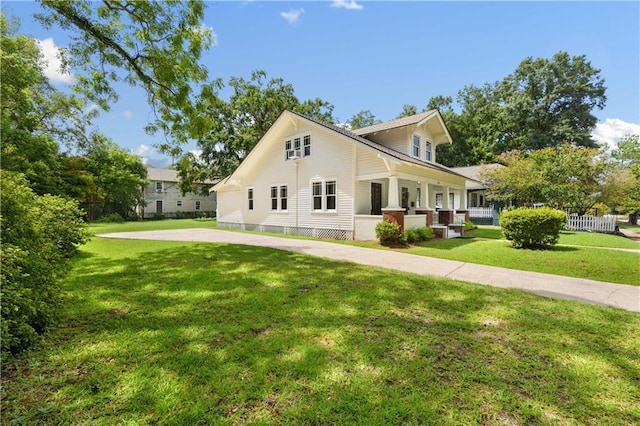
[
  {"x": 151, "y": 225},
  {"x": 183, "y": 333},
  {"x": 580, "y": 262},
  {"x": 589, "y": 239}
]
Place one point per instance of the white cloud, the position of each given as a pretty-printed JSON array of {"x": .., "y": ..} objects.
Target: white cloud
[
  {"x": 52, "y": 63},
  {"x": 611, "y": 130},
  {"x": 127, "y": 114},
  {"x": 350, "y": 5},
  {"x": 293, "y": 15},
  {"x": 207, "y": 32}
]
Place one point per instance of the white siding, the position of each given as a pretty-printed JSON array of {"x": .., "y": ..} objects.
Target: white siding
[
  {"x": 330, "y": 160},
  {"x": 170, "y": 195}
]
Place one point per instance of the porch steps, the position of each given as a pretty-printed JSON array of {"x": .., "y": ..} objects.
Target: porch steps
[{"x": 453, "y": 234}]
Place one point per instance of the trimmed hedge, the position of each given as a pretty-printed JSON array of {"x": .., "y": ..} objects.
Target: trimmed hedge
[
  {"x": 388, "y": 233},
  {"x": 532, "y": 228}
]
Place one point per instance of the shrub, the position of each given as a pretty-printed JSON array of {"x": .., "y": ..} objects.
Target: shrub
[
  {"x": 469, "y": 226},
  {"x": 39, "y": 234},
  {"x": 425, "y": 233},
  {"x": 412, "y": 236},
  {"x": 388, "y": 233},
  {"x": 157, "y": 216},
  {"x": 111, "y": 218},
  {"x": 532, "y": 228}
]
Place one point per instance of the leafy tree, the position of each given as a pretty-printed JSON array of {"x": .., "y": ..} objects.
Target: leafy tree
[
  {"x": 34, "y": 116},
  {"x": 560, "y": 177},
  {"x": 362, "y": 119},
  {"x": 120, "y": 178},
  {"x": 241, "y": 122},
  {"x": 154, "y": 45},
  {"x": 624, "y": 183},
  {"x": 408, "y": 110},
  {"x": 547, "y": 102},
  {"x": 543, "y": 103}
]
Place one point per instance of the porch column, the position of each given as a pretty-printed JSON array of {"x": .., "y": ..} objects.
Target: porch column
[
  {"x": 393, "y": 201},
  {"x": 463, "y": 199},
  {"x": 426, "y": 208},
  {"x": 445, "y": 199}
]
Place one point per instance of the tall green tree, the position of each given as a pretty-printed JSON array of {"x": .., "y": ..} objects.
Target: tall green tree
[
  {"x": 241, "y": 122},
  {"x": 566, "y": 176},
  {"x": 153, "y": 45},
  {"x": 120, "y": 178},
  {"x": 546, "y": 102},
  {"x": 362, "y": 119},
  {"x": 35, "y": 119},
  {"x": 407, "y": 110},
  {"x": 543, "y": 103},
  {"x": 625, "y": 182}
]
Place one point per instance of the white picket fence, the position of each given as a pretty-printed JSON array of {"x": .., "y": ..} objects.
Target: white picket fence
[
  {"x": 591, "y": 223},
  {"x": 481, "y": 212}
]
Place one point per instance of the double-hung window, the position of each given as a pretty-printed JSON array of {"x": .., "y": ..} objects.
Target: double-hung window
[
  {"x": 159, "y": 186},
  {"x": 427, "y": 151},
  {"x": 299, "y": 146},
  {"x": 250, "y": 198},
  {"x": 324, "y": 195},
  {"x": 197, "y": 204},
  {"x": 307, "y": 146},
  {"x": 279, "y": 197},
  {"x": 416, "y": 146},
  {"x": 283, "y": 197},
  {"x": 274, "y": 198}
]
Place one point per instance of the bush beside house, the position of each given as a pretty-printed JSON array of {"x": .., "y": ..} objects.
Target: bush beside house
[{"x": 532, "y": 228}]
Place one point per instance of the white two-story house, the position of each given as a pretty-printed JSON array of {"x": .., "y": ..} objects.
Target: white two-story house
[
  {"x": 164, "y": 199},
  {"x": 310, "y": 178}
]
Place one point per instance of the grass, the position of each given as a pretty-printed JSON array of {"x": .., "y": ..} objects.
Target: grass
[
  {"x": 151, "y": 225},
  {"x": 185, "y": 333},
  {"x": 628, "y": 225}
]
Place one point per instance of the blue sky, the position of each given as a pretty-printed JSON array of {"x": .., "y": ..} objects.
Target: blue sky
[{"x": 381, "y": 55}]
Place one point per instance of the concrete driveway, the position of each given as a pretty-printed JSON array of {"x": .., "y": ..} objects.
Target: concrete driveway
[{"x": 588, "y": 291}]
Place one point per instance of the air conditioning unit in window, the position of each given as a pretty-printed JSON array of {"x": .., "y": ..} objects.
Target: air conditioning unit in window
[{"x": 293, "y": 154}]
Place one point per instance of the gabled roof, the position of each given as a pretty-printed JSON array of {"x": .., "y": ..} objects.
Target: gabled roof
[
  {"x": 381, "y": 148},
  {"x": 356, "y": 138},
  {"x": 398, "y": 122},
  {"x": 167, "y": 175},
  {"x": 473, "y": 174}
]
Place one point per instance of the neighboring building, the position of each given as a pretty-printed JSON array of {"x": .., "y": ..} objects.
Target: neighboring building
[
  {"x": 164, "y": 199},
  {"x": 310, "y": 178},
  {"x": 476, "y": 188}
]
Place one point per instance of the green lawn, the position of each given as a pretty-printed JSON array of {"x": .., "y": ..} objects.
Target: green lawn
[
  {"x": 151, "y": 225},
  {"x": 183, "y": 333}
]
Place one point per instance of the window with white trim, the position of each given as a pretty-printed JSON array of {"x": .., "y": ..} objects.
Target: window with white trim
[
  {"x": 179, "y": 203},
  {"x": 159, "y": 186},
  {"x": 439, "y": 200},
  {"x": 197, "y": 204},
  {"x": 324, "y": 195},
  {"x": 427, "y": 151},
  {"x": 451, "y": 201},
  {"x": 306, "y": 146},
  {"x": 274, "y": 198},
  {"x": 250, "y": 198},
  {"x": 287, "y": 149},
  {"x": 279, "y": 197},
  {"x": 283, "y": 197},
  {"x": 416, "y": 146},
  {"x": 299, "y": 146},
  {"x": 418, "y": 197}
]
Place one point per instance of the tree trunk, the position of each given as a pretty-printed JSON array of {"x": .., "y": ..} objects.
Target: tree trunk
[{"x": 633, "y": 219}]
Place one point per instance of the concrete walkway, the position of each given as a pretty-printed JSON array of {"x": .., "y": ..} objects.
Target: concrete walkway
[{"x": 595, "y": 292}]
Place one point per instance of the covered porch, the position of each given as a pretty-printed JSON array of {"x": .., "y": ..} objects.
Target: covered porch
[{"x": 412, "y": 202}]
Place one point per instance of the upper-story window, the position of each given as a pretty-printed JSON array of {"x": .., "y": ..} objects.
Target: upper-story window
[
  {"x": 427, "y": 151},
  {"x": 416, "y": 146},
  {"x": 250, "y": 198},
  {"x": 159, "y": 186},
  {"x": 307, "y": 146},
  {"x": 297, "y": 147}
]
